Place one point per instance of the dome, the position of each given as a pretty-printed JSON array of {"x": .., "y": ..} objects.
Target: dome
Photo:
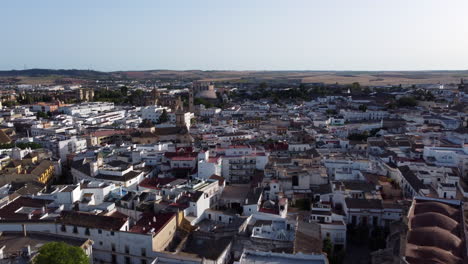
[
  {"x": 207, "y": 94},
  {"x": 426, "y": 207},
  {"x": 434, "y": 220},
  {"x": 435, "y": 237}
]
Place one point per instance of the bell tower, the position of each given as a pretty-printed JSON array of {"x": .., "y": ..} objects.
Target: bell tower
[
  {"x": 191, "y": 108},
  {"x": 155, "y": 96},
  {"x": 179, "y": 113}
]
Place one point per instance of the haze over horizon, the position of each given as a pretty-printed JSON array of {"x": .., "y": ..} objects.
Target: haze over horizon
[{"x": 335, "y": 35}]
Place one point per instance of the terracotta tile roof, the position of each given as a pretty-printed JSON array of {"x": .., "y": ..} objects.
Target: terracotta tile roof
[
  {"x": 8, "y": 211},
  {"x": 436, "y": 233},
  {"x": 4, "y": 138},
  {"x": 90, "y": 220},
  {"x": 157, "y": 183},
  {"x": 355, "y": 203},
  {"x": 150, "y": 222}
]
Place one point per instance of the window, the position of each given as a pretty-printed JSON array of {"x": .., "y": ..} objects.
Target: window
[
  {"x": 75, "y": 230},
  {"x": 127, "y": 250},
  {"x": 295, "y": 181},
  {"x": 127, "y": 260},
  {"x": 99, "y": 231},
  {"x": 143, "y": 252},
  {"x": 63, "y": 228},
  {"x": 114, "y": 258},
  {"x": 112, "y": 233},
  {"x": 143, "y": 261},
  {"x": 113, "y": 247},
  {"x": 364, "y": 220},
  {"x": 87, "y": 232}
]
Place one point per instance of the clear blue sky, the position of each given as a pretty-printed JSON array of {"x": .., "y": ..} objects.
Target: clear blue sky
[{"x": 234, "y": 35}]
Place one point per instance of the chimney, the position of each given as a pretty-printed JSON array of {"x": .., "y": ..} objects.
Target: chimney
[
  {"x": 24, "y": 230},
  {"x": 27, "y": 250},
  {"x": 154, "y": 219}
]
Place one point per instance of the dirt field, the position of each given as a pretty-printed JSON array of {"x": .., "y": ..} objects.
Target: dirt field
[
  {"x": 328, "y": 77},
  {"x": 364, "y": 78}
]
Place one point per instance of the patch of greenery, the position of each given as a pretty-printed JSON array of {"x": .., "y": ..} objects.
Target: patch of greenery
[
  {"x": 303, "y": 204},
  {"x": 206, "y": 103},
  {"x": 163, "y": 118},
  {"x": 32, "y": 145},
  {"x": 9, "y": 103},
  {"x": 60, "y": 253},
  {"x": 407, "y": 102}
]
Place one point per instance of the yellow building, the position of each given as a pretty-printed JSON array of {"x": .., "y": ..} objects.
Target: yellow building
[{"x": 23, "y": 171}]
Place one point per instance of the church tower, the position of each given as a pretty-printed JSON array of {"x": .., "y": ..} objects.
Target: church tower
[
  {"x": 190, "y": 100},
  {"x": 155, "y": 96},
  {"x": 180, "y": 114}
]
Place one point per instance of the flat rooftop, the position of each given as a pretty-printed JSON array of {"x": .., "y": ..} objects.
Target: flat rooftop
[
  {"x": 15, "y": 242},
  {"x": 259, "y": 257}
]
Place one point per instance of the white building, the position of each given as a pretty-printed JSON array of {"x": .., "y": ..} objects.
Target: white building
[
  {"x": 153, "y": 112},
  {"x": 240, "y": 162},
  {"x": 332, "y": 225},
  {"x": 350, "y": 115},
  {"x": 87, "y": 108},
  {"x": 448, "y": 157},
  {"x": 61, "y": 147}
]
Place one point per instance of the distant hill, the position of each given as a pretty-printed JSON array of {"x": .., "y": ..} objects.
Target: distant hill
[
  {"x": 375, "y": 78},
  {"x": 47, "y": 72}
]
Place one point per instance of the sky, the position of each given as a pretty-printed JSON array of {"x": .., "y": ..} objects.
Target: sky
[{"x": 112, "y": 35}]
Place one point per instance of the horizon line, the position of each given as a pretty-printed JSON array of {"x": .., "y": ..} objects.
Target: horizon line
[{"x": 226, "y": 70}]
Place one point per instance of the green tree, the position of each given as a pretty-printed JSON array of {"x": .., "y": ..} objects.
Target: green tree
[
  {"x": 366, "y": 90},
  {"x": 356, "y": 87},
  {"x": 407, "y": 101},
  {"x": 358, "y": 136},
  {"x": 263, "y": 85},
  {"x": 9, "y": 103},
  {"x": 327, "y": 246},
  {"x": 199, "y": 101},
  {"x": 41, "y": 114},
  {"x": 163, "y": 118},
  {"x": 60, "y": 253},
  {"x": 377, "y": 239},
  {"x": 124, "y": 90},
  {"x": 303, "y": 204},
  {"x": 21, "y": 145},
  {"x": 137, "y": 97}
]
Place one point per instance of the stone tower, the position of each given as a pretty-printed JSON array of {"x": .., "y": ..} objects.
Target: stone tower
[
  {"x": 191, "y": 107},
  {"x": 180, "y": 114},
  {"x": 155, "y": 96}
]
